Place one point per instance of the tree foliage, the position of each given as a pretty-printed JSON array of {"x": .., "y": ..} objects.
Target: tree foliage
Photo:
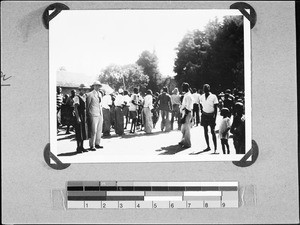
[
  {"x": 126, "y": 77},
  {"x": 149, "y": 62},
  {"x": 214, "y": 56}
]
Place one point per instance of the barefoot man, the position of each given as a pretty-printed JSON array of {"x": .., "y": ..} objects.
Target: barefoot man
[{"x": 208, "y": 107}]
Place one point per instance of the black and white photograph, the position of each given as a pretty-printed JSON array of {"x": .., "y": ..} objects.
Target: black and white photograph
[{"x": 149, "y": 85}]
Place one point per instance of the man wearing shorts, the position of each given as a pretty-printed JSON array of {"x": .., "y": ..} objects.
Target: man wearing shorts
[{"x": 208, "y": 107}]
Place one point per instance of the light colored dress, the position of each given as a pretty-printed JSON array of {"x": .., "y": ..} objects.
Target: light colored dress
[
  {"x": 187, "y": 103},
  {"x": 148, "y": 106}
]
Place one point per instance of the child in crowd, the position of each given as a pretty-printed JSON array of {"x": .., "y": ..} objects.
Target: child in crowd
[{"x": 224, "y": 128}]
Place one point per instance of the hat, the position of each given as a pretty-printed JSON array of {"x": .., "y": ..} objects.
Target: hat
[
  {"x": 224, "y": 110},
  {"x": 120, "y": 90},
  {"x": 81, "y": 86},
  {"x": 239, "y": 104},
  {"x": 96, "y": 83}
]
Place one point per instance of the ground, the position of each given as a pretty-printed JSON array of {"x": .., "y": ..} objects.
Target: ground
[{"x": 143, "y": 147}]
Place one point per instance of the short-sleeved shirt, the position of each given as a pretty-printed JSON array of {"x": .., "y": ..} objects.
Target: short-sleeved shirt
[
  {"x": 175, "y": 99},
  {"x": 106, "y": 101},
  {"x": 209, "y": 103},
  {"x": 127, "y": 99},
  {"x": 119, "y": 101},
  {"x": 224, "y": 125},
  {"x": 187, "y": 102},
  {"x": 196, "y": 98},
  {"x": 148, "y": 101},
  {"x": 135, "y": 98},
  {"x": 165, "y": 101}
]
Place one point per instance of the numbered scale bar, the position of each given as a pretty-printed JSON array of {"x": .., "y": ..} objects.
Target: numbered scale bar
[{"x": 135, "y": 195}]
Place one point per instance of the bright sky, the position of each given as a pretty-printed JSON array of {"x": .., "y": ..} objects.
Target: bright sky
[{"x": 86, "y": 41}]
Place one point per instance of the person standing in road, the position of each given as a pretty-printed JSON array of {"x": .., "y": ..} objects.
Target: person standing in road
[
  {"x": 95, "y": 116},
  {"x": 81, "y": 131},
  {"x": 119, "y": 116},
  {"x": 208, "y": 107},
  {"x": 59, "y": 101},
  {"x": 165, "y": 107},
  {"x": 106, "y": 105},
  {"x": 148, "y": 106},
  {"x": 175, "y": 99},
  {"x": 196, "y": 102},
  {"x": 186, "y": 111}
]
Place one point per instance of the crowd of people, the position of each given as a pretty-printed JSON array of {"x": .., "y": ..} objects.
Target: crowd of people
[{"x": 94, "y": 113}]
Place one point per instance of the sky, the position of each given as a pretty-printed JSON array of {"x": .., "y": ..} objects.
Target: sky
[{"x": 86, "y": 41}]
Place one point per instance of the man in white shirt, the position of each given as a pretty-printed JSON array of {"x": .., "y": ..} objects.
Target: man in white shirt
[
  {"x": 119, "y": 117},
  {"x": 196, "y": 103},
  {"x": 208, "y": 107},
  {"x": 126, "y": 107},
  {"x": 133, "y": 109},
  {"x": 106, "y": 104},
  {"x": 148, "y": 106},
  {"x": 186, "y": 110}
]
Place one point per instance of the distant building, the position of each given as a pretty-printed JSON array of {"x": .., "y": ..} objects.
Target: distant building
[{"x": 70, "y": 80}]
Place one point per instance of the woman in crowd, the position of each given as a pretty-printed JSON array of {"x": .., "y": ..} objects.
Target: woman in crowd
[
  {"x": 70, "y": 115},
  {"x": 175, "y": 98},
  {"x": 186, "y": 111},
  {"x": 81, "y": 129},
  {"x": 148, "y": 106}
]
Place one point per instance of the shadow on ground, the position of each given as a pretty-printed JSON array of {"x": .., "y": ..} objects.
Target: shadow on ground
[
  {"x": 137, "y": 134},
  {"x": 171, "y": 150},
  {"x": 68, "y": 154},
  {"x": 71, "y": 136},
  {"x": 197, "y": 153}
]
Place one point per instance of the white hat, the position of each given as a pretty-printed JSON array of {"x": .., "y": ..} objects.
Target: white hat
[
  {"x": 96, "y": 83},
  {"x": 120, "y": 90}
]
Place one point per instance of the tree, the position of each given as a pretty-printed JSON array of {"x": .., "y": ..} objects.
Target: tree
[
  {"x": 190, "y": 59},
  {"x": 126, "y": 77},
  {"x": 135, "y": 77},
  {"x": 149, "y": 62},
  {"x": 213, "y": 56}
]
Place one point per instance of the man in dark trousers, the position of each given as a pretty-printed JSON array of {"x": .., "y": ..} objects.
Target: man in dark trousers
[
  {"x": 208, "y": 107},
  {"x": 196, "y": 101},
  {"x": 238, "y": 129},
  {"x": 81, "y": 129},
  {"x": 165, "y": 107}
]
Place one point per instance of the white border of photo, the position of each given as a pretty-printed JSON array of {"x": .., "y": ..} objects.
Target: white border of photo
[{"x": 162, "y": 158}]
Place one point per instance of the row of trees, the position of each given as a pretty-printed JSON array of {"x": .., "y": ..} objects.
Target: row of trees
[
  {"x": 214, "y": 56},
  {"x": 144, "y": 74}
]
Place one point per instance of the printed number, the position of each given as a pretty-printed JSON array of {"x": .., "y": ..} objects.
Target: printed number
[
  {"x": 172, "y": 205},
  {"x": 223, "y": 204},
  {"x": 189, "y": 205},
  {"x": 138, "y": 206},
  {"x": 104, "y": 205},
  {"x": 154, "y": 205},
  {"x": 206, "y": 205},
  {"x": 86, "y": 205},
  {"x": 121, "y": 205}
]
